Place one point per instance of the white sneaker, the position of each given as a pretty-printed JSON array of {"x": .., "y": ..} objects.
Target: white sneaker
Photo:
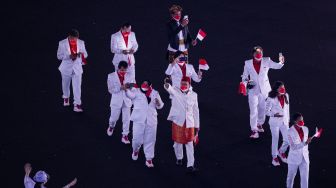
[
  {"x": 110, "y": 130},
  {"x": 78, "y": 108},
  {"x": 149, "y": 164},
  {"x": 275, "y": 162},
  {"x": 124, "y": 139},
  {"x": 260, "y": 129},
  {"x": 66, "y": 102},
  {"x": 135, "y": 155},
  {"x": 283, "y": 157},
  {"x": 254, "y": 135}
]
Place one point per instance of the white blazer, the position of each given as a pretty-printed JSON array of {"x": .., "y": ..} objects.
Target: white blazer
[
  {"x": 68, "y": 66},
  {"x": 273, "y": 106},
  {"x": 298, "y": 150},
  {"x": 176, "y": 74},
  {"x": 142, "y": 111},
  {"x": 118, "y": 45},
  {"x": 262, "y": 83},
  {"x": 118, "y": 95},
  {"x": 184, "y": 108}
]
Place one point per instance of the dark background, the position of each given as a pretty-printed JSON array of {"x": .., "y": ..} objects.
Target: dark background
[{"x": 36, "y": 127}]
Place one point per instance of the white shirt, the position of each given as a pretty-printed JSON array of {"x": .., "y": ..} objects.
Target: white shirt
[{"x": 28, "y": 182}]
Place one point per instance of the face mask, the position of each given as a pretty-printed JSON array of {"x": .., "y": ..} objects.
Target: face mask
[
  {"x": 126, "y": 33},
  {"x": 181, "y": 63},
  {"x": 177, "y": 17},
  {"x": 300, "y": 123},
  {"x": 144, "y": 87},
  {"x": 121, "y": 73},
  {"x": 184, "y": 88},
  {"x": 258, "y": 56},
  {"x": 282, "y": 90}
]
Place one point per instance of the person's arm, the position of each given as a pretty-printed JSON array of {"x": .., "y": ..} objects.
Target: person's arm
[
  {"x": 294, "y": 146},
  {"x": 169, "y": 89},
  {"x": 135, "y": 45},
  {"x": 158, "y": 101},
  {"x": 245, "y": 75},
  {"x": 112, "y": 88},
  {"x": 72, "y": 183},
  {"x": 131, "y": 93},
  {"x": 60, "y": 53},
  {"x": 114, "y": 45},
  {"x": 173, "y": 30},
  {"x": 196, "y": 115},
  {"x": 273, "y": 65},
  {"x": 84, "y": 50},
  {"x": 269, "y": 105},
  {"x": 196, "y": 77}
]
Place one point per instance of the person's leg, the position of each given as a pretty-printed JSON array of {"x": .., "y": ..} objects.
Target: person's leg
[
  {"x": 274, "y": 126},
  {"x": 131, "y": 71},
  {"x": 138, "y": 136},
  {"x": 126, "y": 113},
  {"x": 66, "y": 80},
  {"x": 253, "y": 104},
  {"x": 292, "y": 169},
  {"x": 304, "y": 174},
  {"x": 149, "y": 141},
  {"x": 178, "y": 149},
  {"x": 190, "y": 154},
  {"x": 76, "y": 87},
  {"x": 261, "y": 109},
  {"x": 284, "y": 130},
  {"x": 115, "y": 113}
]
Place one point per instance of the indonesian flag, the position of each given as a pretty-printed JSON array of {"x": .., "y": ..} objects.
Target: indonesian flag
[
  {"x": 201, "y": 34},
  {"x": 318, "y": 132},
  {"x": 203, "y": 65},
  {"x": 242, "y": 89}
]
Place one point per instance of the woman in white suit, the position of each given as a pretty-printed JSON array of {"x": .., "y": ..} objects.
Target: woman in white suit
[
  {"x": 255, "y": 78},
  {"x": 146, "y": 101},
  {"x": 124, "y": 45},
  {"x": 298, "y": 156},
  {"x": 277, "y": 108},
  {"x": 71, "y": 51}
]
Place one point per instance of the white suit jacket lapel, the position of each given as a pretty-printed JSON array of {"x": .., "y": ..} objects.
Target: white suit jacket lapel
[
  {"x": 253, "y": 71},
  {"x": 122, "y": 41},
  {"x": 116, "y": 78}
]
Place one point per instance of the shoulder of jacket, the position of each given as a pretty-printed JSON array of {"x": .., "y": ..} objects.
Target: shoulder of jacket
[
  {"x": 248, "y": 61},
  {"x": 266, "y": 58},
  {"x": 63, "y": 41},
  {"x": 111, "y": 74}
]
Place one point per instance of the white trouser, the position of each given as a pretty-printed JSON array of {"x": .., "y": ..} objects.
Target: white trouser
[
  {"x": 276, "y": 126},
  {"x": 130, "y": 70},
  {"x": 76, "y": 86},
  {"x": 304, "y": 174},
  {"x": 144, "y": 134},
  {"x": 257, "y": 110},
  {"x": 178, "y": 148},
  {"x": 115, "y": 114}
]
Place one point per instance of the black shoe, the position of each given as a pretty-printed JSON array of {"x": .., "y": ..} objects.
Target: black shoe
[
  {"x": 179, "y": 162},
  {"x": 192, "y": 169}
]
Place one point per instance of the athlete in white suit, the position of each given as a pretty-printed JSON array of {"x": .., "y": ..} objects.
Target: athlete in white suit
[
  {"x": 146, "y": 101},
  {"x": 255, "y": 78},
  {"x": 184, "y": 115},
  {"x": 71, "y": 51},
  {"x": 117, "y": 83},
  {"x": 179, "y": 68},
  {"x": 298, "y": 156},
  {"x": 277, "y": 108},
  {"x": 124, "y": 45}
]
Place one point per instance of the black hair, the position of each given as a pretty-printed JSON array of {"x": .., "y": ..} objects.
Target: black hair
[
  {"x": 178, "y": 53},
  {"x": 126, "y": 24},
  {"x": 295, "y": 117},
  {"x": 74, "y": 33},
  {"x": 274, "y": 92},
  {"x": 256, "y": 48},
  {"x": 123, "y": 64}
]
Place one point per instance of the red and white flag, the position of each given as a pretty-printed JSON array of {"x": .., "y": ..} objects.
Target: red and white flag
[
  {"x": 201, "y": 34},
  {"x": 203, "y": 65},
  {"x": 318, "y": 132}
]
